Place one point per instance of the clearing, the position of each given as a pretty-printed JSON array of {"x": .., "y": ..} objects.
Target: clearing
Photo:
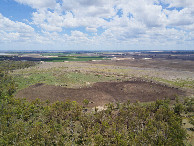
[{"x": 102, "y": 92}]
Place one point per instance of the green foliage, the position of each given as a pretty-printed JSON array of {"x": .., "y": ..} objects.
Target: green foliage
[
  {"x": 53, "y": 76},
  {"x": 191, "y": 121},
  {"x": 37, "y": 123},
  {"x": 65, "y": 123},
  {"x": 85, "y": 102},
  {"x": 12, "y": 65},
  {"x": 189, "y": 104},
  {"x": 73, "y": 58},
  {"x": 24, "y": 81},
  {"x": 188, "y": 83},
  {"x": 7, "y": 84},
  {"x": 53, "y": 54}
]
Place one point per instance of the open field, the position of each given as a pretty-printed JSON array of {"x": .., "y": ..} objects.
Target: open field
[
  {"x": 53, "y": 57},
  {"x": 72, "y": 58},
  {"x": 181, "y": 78},
  {"x": 81, "y": 79},
  {"x": 102, "y": 93},
  {"x": 175, "y": 64},
  {"x": 37, "y": 57},
  {"x": 105, "y": 81}
]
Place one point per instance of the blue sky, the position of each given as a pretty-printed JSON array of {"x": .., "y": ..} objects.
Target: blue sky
[{"x": 97, "y": 25}]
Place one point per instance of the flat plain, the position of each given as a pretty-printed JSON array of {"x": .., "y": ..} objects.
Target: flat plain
[{"x": 133, "y": 77}]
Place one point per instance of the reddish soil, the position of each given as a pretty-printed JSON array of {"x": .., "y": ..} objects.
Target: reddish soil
[{"x": 102, "y": 92}]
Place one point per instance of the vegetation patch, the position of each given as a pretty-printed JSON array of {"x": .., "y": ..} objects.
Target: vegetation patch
[
  {"x": 57, "y": 76},
  {"x": 189, "y": 83},
  {"x": 72, "y": 58},
  {"x": 53, "y": 54},
  {"x": 67, "y": 123},
  {"x": 26, "y": 80}
]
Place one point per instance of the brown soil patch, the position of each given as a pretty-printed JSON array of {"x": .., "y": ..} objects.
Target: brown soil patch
[
  {"x": 183, "y": 65},
  {"x": 102, "y": 92}
]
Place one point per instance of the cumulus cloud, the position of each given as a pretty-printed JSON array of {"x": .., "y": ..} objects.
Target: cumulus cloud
[
  {"x": 38, "y": 4},
  {"x": 49, "y": 21},
  {"x": 90, "y": 29},
  {"x": 78, "y": 36},
  {"x": 90, "y": 8},
  {"x": 182, "y": 17},
  {"x": 179, "y": 3},
  {"x": 8, "y": 25},
  {"x": 10, "y": 30},
  {"x": 53, "y": 21},
  {"x": 118, "y": 21},
  {"x": 144, "y": 11}
]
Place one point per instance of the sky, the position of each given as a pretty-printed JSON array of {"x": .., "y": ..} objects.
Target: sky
[{"x": 96, "y": 25}]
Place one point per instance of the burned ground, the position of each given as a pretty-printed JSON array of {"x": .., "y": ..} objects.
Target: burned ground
[
  {"x": 174, "y": 64},
  {"x": 103, "y": 92}
]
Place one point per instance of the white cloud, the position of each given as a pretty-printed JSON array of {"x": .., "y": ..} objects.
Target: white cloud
[
  {"x": 90, "y": 8},
  {"x": 10, "y": 30},
  {"x": 47, "y": 20},
  {"x": 144, "y": 11},
  {"x": 109, "y": 22},
  {"x": 9, "y": 26},
  {"x": 38, "y": 4},
  {"x": 53, "y": 21},
  {"x": 180, "y": 18},
  {"x": 179, "y": 3},
  {"x": 78, "y": 36},
  {"x": 124, "y": 29},
  {"x": 189, "y": 28},
  {"x": 90, "y": 29}
]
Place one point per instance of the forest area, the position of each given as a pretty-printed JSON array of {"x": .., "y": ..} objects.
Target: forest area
[{"x": 38, "y": 122}]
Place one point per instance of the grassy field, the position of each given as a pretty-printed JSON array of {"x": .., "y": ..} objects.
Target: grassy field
[
  {"x": 73, "y": 58},
  {"x": 58, "y": 76},
  {"x": 178, "y": 83},
  {"x": 53, "y": 54},
  {"x": 74, "y": 74},
  {"x": 61, "y": 57}
]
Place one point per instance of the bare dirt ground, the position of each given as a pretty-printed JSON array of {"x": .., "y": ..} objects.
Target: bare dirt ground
[
  {"x": 176, "y": 64},
  {"x": 123, "y": 68},
  {"x": 121, "y": 71},
  {"x": 103, "y": 92}
]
